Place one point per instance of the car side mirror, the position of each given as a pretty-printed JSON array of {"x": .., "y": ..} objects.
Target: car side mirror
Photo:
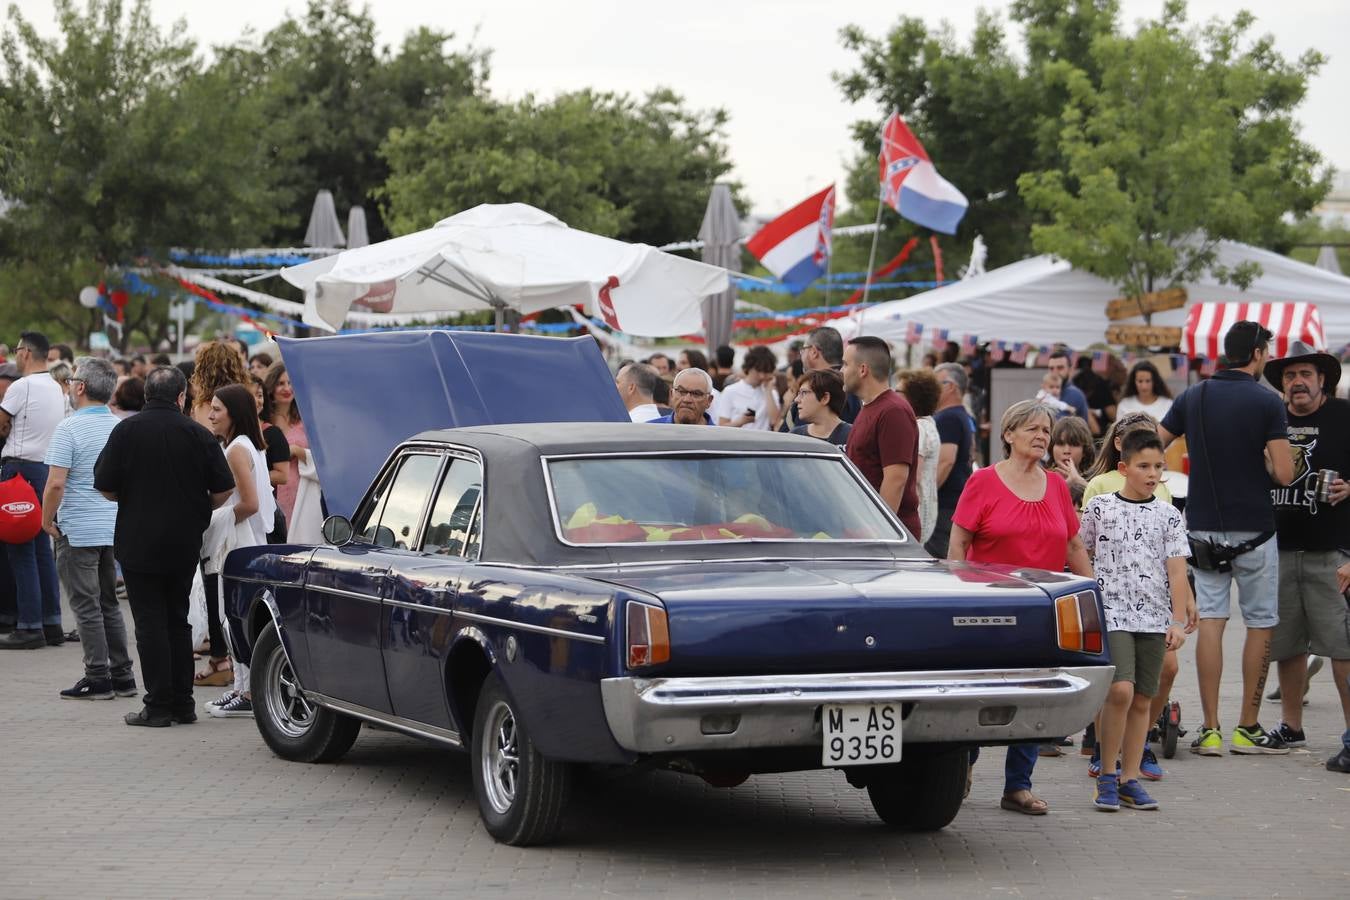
[{"x": 337, "y": 530}]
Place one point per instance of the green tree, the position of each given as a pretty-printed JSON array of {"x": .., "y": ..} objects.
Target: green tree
[
  {"x": 980, "y": 110},
  {"x": 114, "y": 144},
  {"x": 1186, "y": 137},
  {"x": 635, "y": 170},
  {"x": 330, "y": 95}
]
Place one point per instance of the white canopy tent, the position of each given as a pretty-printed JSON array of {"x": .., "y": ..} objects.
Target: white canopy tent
[{"x": 1045, "y": 300}]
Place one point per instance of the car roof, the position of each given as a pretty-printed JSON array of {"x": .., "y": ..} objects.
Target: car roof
[{"x": 560, "y": 438}]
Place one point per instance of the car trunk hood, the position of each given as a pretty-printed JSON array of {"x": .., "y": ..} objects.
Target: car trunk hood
[{"x": 825, "y": 615}]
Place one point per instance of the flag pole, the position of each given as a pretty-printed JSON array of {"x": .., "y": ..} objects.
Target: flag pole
[{"x": 876, "y": 232}]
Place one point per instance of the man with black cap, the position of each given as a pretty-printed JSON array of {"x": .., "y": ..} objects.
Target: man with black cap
[
  {"x": 1238, "y": 439},
  {"x": 1313, "y": 525}
]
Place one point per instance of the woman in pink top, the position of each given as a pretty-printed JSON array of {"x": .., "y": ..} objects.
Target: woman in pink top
[
  {"x": 1012, "y": 513},
  {"x": 286, "y": 416}
]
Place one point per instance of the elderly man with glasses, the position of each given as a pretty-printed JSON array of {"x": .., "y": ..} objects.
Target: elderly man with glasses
[
  {"x": 81, "y": 523},
  {"x": 690, "y": 397},
  {"x": 29, "y": 414}
]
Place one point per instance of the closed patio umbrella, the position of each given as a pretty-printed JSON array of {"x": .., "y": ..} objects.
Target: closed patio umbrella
[{"x": 721, "y": 235}]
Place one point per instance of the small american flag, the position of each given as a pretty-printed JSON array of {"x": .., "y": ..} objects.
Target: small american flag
[
  {"x": 1181, "y": 365},
  {"x": 1208, "y": 367},
  {"x": 969, "y": 344},
  {"x": 1019, "y": 353},
  {"x": 940, "y": 337},
  {"x": 1099, "y": 363},
  {"x": 913, "y": 332}
]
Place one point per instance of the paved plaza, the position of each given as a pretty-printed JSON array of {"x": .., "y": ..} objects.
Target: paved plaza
[{"x": 92, "y": 808}]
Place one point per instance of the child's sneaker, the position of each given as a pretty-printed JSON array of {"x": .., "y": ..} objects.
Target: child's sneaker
[
  {"x": 1107, "y": 796},
  {"x": 1133, "y": 795},
  {"x": 1290, "y": 737},
  {"x": 1254, "y": 740},
  {"x": 1208, "y": 743},
  {"x": 1149, "y": 767},
  {"x": 1095, "y": 765}
]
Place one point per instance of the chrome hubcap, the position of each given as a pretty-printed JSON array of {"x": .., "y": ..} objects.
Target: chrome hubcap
[
  {"x": 500, "y": 757},
  {"x": 291, "y": 711}
]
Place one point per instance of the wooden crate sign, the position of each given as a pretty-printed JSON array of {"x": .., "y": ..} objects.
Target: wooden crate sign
[
  {"x": 1158, "y": 301},
  {"x": 1144, "y": 335}
]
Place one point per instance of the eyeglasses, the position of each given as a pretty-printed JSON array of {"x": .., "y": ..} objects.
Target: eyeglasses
[{"x": 685, "y": 392}]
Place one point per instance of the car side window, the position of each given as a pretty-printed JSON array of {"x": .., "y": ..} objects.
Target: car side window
[
  {"x": 451, "y": 531},
  {"x": 396, "y": 515}
]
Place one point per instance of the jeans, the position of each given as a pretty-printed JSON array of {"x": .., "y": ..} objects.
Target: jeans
[
  {"x": 1017, "y": 767},
  {"x": 89, "y": 578},
  {"x": 159, "y": 606},
  {"x": 36, "y": 595}
]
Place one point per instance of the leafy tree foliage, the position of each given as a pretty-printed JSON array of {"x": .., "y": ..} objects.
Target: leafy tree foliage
[
  {"x": 635, "y": 170},
  {"x": 1186, "y": 137},
  {"x": 330, "y": 96},
  {"x": 114, "y": 144}
]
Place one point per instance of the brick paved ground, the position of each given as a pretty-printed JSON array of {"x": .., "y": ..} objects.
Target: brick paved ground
[{"x": 91, "y": 808}]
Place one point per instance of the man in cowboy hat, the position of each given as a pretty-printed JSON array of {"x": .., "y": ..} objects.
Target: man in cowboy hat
[{"x": 1313, "y": 526}]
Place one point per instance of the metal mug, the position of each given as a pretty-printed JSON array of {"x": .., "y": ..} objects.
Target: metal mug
[{"x": 1325, "y": 477}]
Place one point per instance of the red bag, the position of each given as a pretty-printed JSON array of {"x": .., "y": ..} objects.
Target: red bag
[{"x": 20, "y": 514}]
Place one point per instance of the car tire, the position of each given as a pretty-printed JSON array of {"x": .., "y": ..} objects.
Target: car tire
[
  {"x": 294, "y": 727},
  {"x": 520, "y": 794},
  {"x": 922, "y": 793}
]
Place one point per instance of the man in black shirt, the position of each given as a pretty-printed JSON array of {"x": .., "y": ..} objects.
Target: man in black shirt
[
  {"x": 165, "y": 473},
  {"x": 953, "y": 468},
  {"x": 824, "y": 350},
  {"x": 1313, "y": 526}
]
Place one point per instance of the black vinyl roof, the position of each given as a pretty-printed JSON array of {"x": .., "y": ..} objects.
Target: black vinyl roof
[{"x": 518, "y": 521}]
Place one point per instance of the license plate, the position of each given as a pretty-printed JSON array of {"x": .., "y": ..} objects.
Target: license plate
[{"x": 860, "y": 734}]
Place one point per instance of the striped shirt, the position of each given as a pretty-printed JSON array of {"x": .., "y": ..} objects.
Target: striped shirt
[{"x": 84, "y": 517}]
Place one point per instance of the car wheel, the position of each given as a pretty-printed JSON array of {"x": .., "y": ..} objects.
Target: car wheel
[
  {"x": 922, "y": 793},
  {"x": 294, "y": 727},
  {"x": 520, "y": 793}
]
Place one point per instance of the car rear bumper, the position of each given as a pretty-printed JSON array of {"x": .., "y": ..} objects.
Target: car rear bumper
[{"x": 663, "y": 715}]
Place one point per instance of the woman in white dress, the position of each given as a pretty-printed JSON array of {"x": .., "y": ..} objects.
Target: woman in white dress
[
  {"x": 1145, "y": 391},
  {"x": 922, "y": 390},
  {"x": 246, "y": 517}
]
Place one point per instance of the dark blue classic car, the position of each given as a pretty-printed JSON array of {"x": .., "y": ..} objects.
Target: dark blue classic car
[{"x": 711, "y": 600}]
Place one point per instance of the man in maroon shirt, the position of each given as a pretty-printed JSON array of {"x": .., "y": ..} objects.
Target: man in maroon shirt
[{"x": 884, "y": 442}]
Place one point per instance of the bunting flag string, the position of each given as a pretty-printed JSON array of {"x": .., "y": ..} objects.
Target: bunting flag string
[{"x": 896, "y": 262}]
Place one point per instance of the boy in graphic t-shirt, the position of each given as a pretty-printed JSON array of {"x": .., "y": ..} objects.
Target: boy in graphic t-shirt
[{"x": 1139, "y": 550}]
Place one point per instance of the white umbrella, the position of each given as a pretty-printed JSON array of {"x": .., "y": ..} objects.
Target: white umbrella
[
  {"x": 510, "y": 256},
  {"x": 324, "y": 230}
]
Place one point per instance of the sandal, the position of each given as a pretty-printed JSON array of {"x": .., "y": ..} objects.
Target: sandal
[
  {"x": 1028, "y": 805},
  {"x": 218, "y": 674}
]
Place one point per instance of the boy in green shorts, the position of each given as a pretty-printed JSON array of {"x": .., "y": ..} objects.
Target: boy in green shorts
[{"x": 1139, "y": 550}]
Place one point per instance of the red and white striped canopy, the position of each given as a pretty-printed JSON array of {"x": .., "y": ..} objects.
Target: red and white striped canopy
[{"x": 1207, "y": 323}]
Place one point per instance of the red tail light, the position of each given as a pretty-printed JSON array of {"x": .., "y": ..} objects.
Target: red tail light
[
  {"x": 1079, "y": 623},
  {"x": 648, "y": 635}
]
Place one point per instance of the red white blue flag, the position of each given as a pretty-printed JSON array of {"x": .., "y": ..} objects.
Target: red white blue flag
[
  {"x": 912, "y": 186},
  {"x": 796, "y": 245}
]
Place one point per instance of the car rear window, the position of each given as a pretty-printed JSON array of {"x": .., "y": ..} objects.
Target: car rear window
[{"x": 650, "y": 499}]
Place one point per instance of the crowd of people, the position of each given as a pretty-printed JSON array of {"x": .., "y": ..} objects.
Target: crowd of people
[
  {"x": 150, "y": 473},
  {"x": 1078, "y": 482}
]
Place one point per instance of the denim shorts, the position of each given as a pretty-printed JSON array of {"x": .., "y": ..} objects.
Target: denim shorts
[{"x": 1257, "y": 573}]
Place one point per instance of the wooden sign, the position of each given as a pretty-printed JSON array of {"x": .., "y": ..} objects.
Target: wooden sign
[
  {"x": 1144, "y": 335},
  {"x": 1158, "y": 301}
]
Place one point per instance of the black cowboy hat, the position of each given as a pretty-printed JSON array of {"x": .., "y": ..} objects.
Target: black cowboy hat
[{"x": 1328, "y": 365}]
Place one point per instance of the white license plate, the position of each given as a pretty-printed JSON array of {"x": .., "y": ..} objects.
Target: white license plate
[{"x": 860, "y": 734}]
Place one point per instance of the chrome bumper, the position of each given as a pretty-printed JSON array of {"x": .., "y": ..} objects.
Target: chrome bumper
[{"x": 663, "y": 715}]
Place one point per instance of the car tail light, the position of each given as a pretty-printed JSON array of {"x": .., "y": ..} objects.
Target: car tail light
[
  {"x": 648, "y": 635},
  {"x": 1079, "y": 622}
]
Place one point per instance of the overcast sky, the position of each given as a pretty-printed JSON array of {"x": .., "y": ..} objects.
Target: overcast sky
[{"x": 767, "y": 62}]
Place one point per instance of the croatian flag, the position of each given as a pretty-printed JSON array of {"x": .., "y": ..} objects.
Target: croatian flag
[
  {"x": 912, "y": 186},
  {"x": 796, "y": 245}
]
